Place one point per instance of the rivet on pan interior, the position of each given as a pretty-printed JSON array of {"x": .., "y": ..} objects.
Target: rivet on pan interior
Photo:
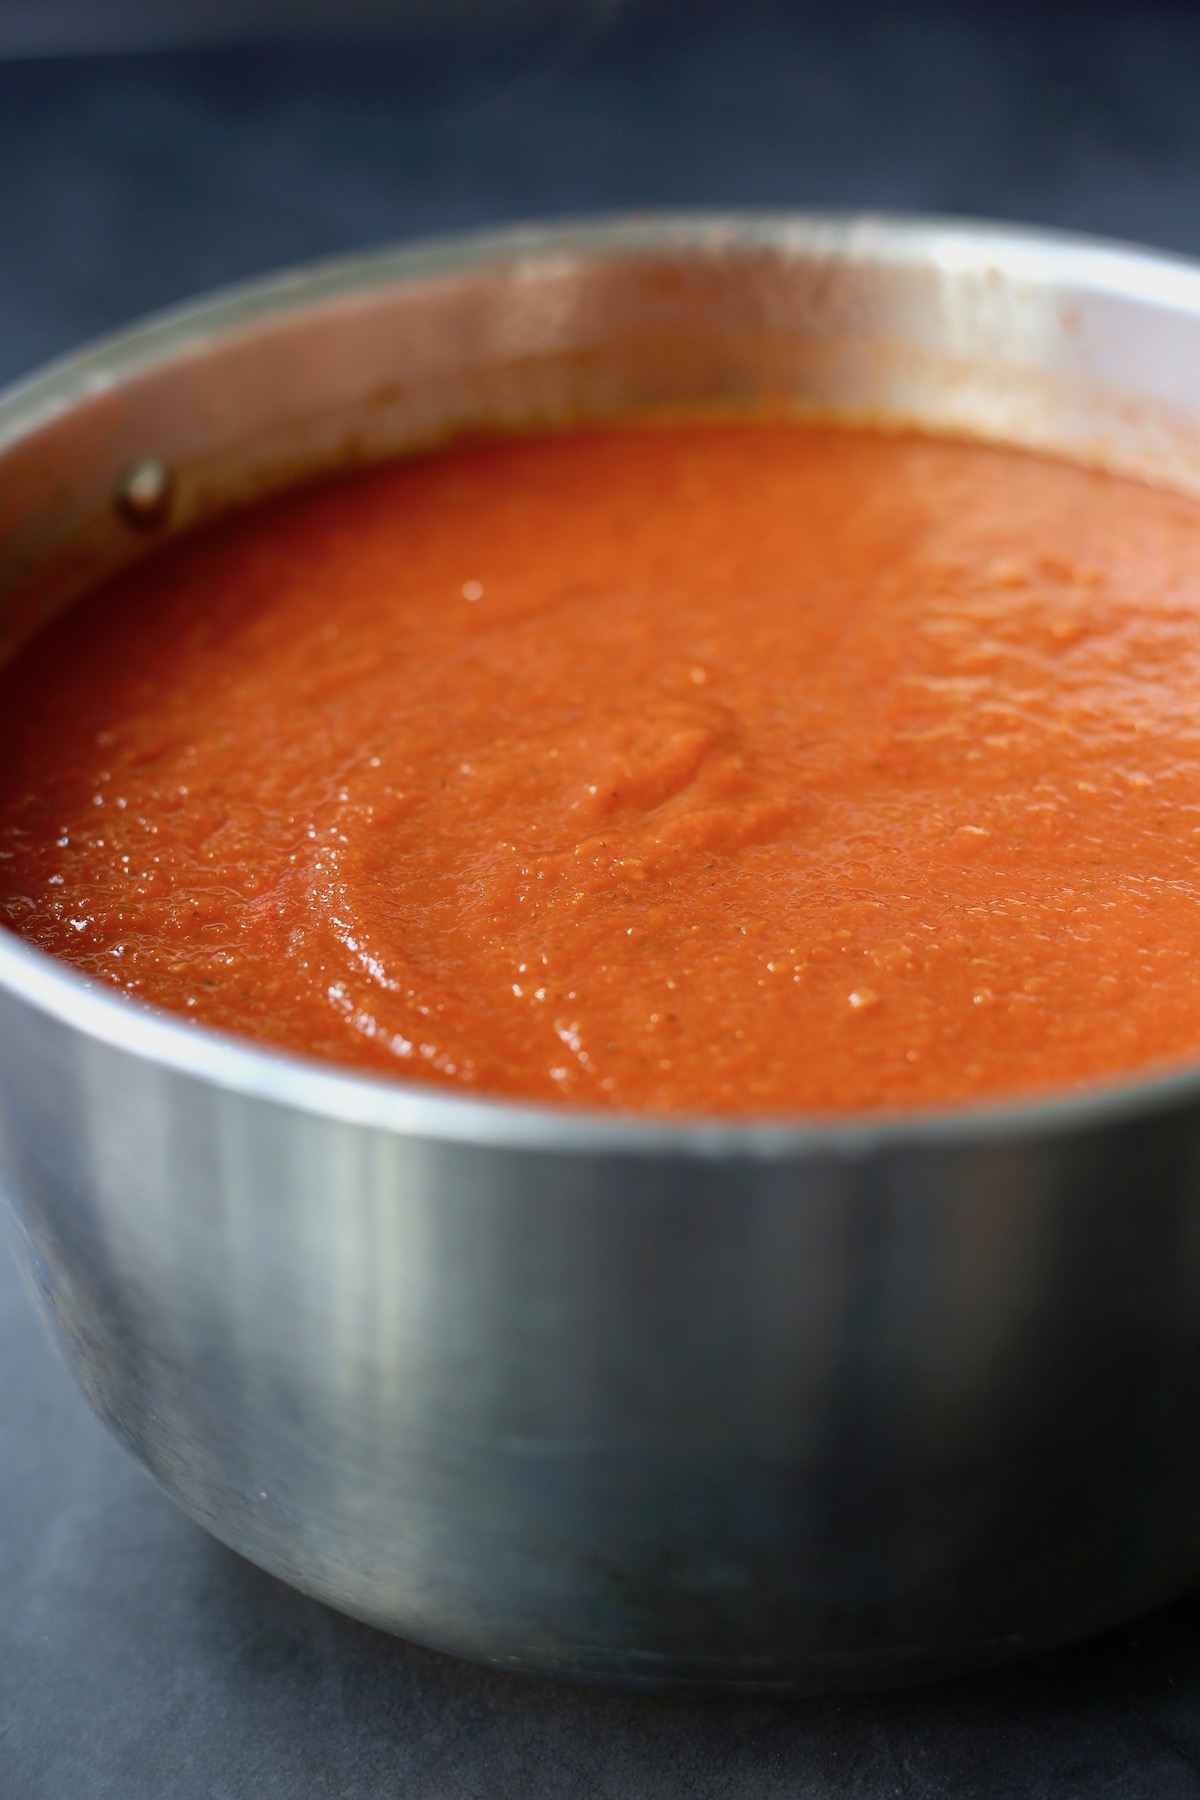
[{"x": 143, "y": 492}]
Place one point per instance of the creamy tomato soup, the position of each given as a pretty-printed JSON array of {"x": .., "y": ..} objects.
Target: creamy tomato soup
[{"x": 728, "y": 767}]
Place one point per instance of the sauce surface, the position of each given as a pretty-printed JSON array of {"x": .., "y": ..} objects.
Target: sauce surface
[{"x": 735, "y": 767}]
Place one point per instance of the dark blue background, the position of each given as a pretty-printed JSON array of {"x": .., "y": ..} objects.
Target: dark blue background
[
  {"x": 131, "y": 181},
  {"x": 138, "y": 1660}
]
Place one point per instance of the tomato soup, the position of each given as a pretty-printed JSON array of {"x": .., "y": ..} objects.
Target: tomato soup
[{"x": 724, "y": 767}]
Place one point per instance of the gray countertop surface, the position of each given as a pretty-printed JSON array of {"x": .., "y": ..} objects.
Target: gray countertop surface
[{"x": 138, "y": 1659}]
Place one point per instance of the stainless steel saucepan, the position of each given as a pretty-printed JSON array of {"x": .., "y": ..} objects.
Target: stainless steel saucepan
[{"x": 719, "y": 1405}]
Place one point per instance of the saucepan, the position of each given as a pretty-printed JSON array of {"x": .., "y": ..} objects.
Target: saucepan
[{"x": 790, "y": 1404}]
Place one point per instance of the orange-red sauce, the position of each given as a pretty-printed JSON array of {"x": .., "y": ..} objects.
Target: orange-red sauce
[{"x": 708, "y": 767}]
